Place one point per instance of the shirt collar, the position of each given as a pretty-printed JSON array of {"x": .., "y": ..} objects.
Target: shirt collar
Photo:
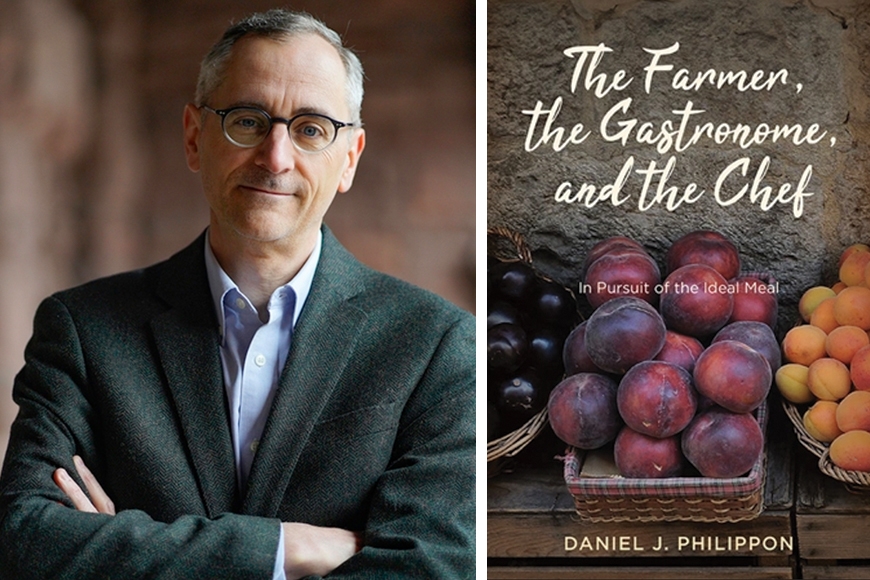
[{"x": 220, "y": 283}]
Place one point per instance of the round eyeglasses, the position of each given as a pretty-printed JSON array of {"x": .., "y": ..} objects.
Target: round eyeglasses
[{"x": 249, "y": 126}]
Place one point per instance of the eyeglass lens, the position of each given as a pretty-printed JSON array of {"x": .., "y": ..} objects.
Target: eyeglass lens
[{"x": 249, "y": 127}]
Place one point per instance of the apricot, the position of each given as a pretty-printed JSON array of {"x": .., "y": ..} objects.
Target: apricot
[
  {"x": 812, "y": 298},
  {"x": 820, "y": 421},
  {"x": 804, "y": 344},
  {"x": 844, "y": 341},
  {"x": 859, "y": 368},
  {"x": 853, "y": 412},
  {"x": 852, "y": 306},
  {"x": 852, "y": 269},
  {"x": 850, "y": 250},
  {"x": 823, "y": 315},
  {"x": 851, "y": 451},
  {"x": 791, "y": 380},
  {"x": 838, "y": 287},
  {"x": 829, "y": 379}
]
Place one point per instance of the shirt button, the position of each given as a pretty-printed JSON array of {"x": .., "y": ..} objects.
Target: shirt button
[
  {"x": 259, "y": 360},
  {"x": 240, "y": 303},
  {"x": 254, "y": 445}
]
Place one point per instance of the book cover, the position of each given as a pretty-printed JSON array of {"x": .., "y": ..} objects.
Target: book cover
[{"x": 651, "y": 120}]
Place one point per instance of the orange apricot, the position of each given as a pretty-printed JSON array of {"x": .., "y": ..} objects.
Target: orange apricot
[
  {"x": 851, "y": 451},
  {"x": 850, "y": 250},
  {"x": 811, "y": 298},
  {"x": 820, "y": 421},
  {"x": 844, "y": 341},
  {"x": 853, "y": 412},
  {"x": 859, "y": 369},
  {"x": 852, "y": 269},
  {"x": 791, "y": 380},
  {"x": 852, "y": 307},
  {"x": 829, "y": 379},
  {"x": 838, "y": 287},
  {"x": 823, "y": 315},
  {"x": 804, "y": 344}
]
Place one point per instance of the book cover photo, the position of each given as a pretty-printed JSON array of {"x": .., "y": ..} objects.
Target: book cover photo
[{"x": 678, "y": 288}]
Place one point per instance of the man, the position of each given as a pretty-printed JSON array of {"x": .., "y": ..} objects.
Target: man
[{"x": 260, "y": 404}]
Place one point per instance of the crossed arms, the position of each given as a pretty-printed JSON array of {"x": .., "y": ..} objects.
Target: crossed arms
[
  {"x": 418, "y": 521},
  {"x": 308, "y": 550}
]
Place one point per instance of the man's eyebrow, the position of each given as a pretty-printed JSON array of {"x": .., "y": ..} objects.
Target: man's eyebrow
[{"x": 298, "y": 111}]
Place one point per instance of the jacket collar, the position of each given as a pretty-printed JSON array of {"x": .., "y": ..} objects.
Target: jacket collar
[{"x": 187, "y": 336}]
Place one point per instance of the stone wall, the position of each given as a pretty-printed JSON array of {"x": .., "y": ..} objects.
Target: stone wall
[
  {"x": 821, "y": 46},
  {"x": 92, "y": 172}
]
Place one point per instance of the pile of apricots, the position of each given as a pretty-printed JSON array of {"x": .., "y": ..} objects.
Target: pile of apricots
[{"x": 828, "y": 362}]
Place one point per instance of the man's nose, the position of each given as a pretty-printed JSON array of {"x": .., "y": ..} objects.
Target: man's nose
[{"x": 277, "y": 152}]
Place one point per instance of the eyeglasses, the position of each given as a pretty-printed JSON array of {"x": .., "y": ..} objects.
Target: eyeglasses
[{"x": 248, "y": 127}]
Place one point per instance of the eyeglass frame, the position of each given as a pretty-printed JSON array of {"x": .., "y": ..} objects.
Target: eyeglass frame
[{"x": 222, "y": 113}]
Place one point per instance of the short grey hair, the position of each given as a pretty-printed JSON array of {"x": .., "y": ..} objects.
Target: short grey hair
[{"x": 278, "y": 24}]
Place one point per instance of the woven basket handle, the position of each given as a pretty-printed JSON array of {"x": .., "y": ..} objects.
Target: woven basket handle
[{"x": 520, "y": 248}]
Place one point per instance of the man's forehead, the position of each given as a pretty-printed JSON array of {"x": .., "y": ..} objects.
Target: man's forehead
[
  {"x": 301, "y": 52},
  {"x": 260, "y": 68}
]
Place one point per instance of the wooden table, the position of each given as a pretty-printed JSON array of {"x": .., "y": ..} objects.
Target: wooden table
[
  {"x": 832, "y": 523},
  {"x": 534, "y": 533}
]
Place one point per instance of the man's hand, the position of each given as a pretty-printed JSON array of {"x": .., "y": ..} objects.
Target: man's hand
[
  {"x": 101, "y": 502},
  {"x": 316, "y": 550},
  {"x": 307, "y": 549}
]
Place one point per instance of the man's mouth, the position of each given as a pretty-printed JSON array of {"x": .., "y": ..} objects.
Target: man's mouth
[{"x": 267, "y": 190}]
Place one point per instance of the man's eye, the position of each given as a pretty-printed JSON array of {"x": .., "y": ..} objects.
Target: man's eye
[
  {"x": 311, "y": 131},
  {"x": 248, "y": 123}
]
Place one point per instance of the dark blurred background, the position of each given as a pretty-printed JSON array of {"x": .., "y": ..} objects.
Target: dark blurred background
[{"x": 92, "y": 173}]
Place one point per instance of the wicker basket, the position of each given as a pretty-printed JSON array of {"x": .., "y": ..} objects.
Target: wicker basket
[
  {"x": 856, "y": 480},
  {"x": 508, "y": 245},
  {"x": 695, "y": 499}
]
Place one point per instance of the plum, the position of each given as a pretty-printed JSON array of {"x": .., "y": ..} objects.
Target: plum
[
  {"x": 696, "y": 301},
  {"x": 756, "y": 334},
  {"x": 720, "y": 443},
  {"x": 657, "y": 398},
  {"x": 574, "y": 355},
  {"x": 705, "y": 247},
  {"x": 623, "y": 332},
  {"x": 680, "y": 350},
  {"x": 582, "y": 410},
  {"x": 506, "y": 348},
  {"x": 733, "y": 375},
  {"x": 622, "y": 273},
  {"x": 639, "y": 455}
]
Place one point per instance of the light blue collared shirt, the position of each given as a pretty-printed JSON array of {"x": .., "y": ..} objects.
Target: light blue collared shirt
[{"x": 253, "y": 354}]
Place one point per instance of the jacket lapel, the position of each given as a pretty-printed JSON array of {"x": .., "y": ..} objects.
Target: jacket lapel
[
  {"x": 187, "y": 339},
  {"x": 323, "y": 341}
]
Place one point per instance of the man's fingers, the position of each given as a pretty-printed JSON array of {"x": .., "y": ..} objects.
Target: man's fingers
[
  {"x": 73, "y": 491},
  {"x": 99, "y": 501},
  {"x": 100, "y": 498}
]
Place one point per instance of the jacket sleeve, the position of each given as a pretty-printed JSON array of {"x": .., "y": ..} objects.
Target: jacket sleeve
[
  {"x": 421, "y": 519},
  {"x": 42, "y": 536}
]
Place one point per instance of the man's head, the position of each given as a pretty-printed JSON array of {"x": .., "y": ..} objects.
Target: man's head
[
  {"x": 268, "y": 185},
  {"x": 278, "y": 24}
]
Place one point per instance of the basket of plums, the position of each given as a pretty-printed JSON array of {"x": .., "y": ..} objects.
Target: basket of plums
[
  {"x": 528, "y": 318},
  {"x": 664, "y": 402}
]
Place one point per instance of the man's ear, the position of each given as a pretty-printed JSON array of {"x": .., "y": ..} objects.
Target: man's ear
[
  {"x": 192, "y": 129},
  {"x": 358, "y": 143}
]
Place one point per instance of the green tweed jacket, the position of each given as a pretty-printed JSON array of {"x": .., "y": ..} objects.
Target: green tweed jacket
[{"x": 371, "y": 428}]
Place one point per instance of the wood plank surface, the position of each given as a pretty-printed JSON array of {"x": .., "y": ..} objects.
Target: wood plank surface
[
  {"x": 836, "y": 572},
  {"x": 631, "y": 573},
  {"x": 563, "y": 535},
  {"x": 834, "y": 536}
]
